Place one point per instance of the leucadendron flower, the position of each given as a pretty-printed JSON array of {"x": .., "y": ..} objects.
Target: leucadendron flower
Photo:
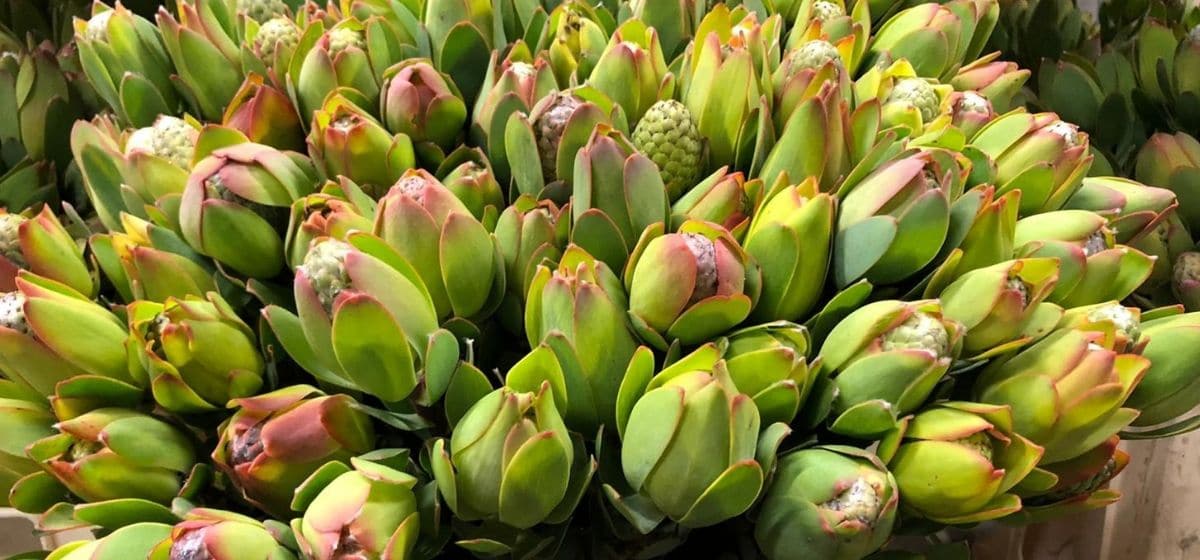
[
  {"x": 455, "y": 256},
  {"x": 213, "y": 534},
  {"x": 1039, "y": 154},
  {"x": 1093, "y": 267},
  {"x": 124, "y": 58},
  {"x": 632, "y": 70},
  {"x": 790, "y": 237},
  {"x": 197, "y": 353},
  {"x": 1067, "y": 392},
  {"x": 959, "y": 462},
  {"x": 50, "y": 333},
  {"x": 885, "y": 359},
  {"x": 90, "y": 457},
  {"x": 136, "y": 540},
  {"x": 368, "y": 512},
  {"x": 831, "y": 501},
  {"x": 41, "y": 245},
  {"x": 689, "y": 286},
  {"x": 691, "y": 450},
  {"x": 346, "y": 140},
  {"x": 1003, "y": 306},
  {"x": 361, "y": 285},
  {"x": 510, "y": 459},
  {"x": 423, "y": 104},
  {"x": 578, "y": 308},
  {"x": 274, "y": 441},
  {"x": 235, "y": 206}
]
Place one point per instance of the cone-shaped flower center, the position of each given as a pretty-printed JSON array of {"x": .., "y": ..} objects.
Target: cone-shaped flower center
[
  {"x": 342, "y": 38},
  {"x": 97, "y": 27},
  {"x": 919, "y": 94},
  {"x": 262, "y": 10},
  {"x": 1095, "y": 243},
  {"x": 550, "y": 126},
  {"x": 668, "y": 136},
  {"x": 973, "y": 103},
  {"x": 705, "y": 252},
  {"x": 980, "y": 443},
  {"x": 169, "y": 138},
  {"x": 274, "y": 32},
  {"x": 1068, "y": 132},
  {"x": 12, "y": 312},
  {"x": 1017, "y": 285},
  {"x": 1187, "y": 268},
  {"x": 1124, "y": 320},
  {"x": 860, "y": 501},
  {"x": 190, "y": 546},
  {"x": 10, "y": 238},
  {"x": 825, "y": 11},
  {"x": 247, "y": 446},
  {"x": 325, "y": 267},
  {"x": 921, "y": 331},
  {"x": 813, "y": 55}
]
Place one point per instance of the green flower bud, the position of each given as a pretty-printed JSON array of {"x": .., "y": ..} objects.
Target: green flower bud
[
  {"x": 667, "y": 135},
  {"x": 824, "y": 11},
  {"x": 273, "y": 33},
  {"x": 342, "y": 38},
  {"x": 918, "y": 93},
  {"x": 815, "y": 54},
  {"x": 325, "y": 266},
  {"x": 261, "y": 10},
  {"x": 921, "y": 331},
  {"x": 10, "y": 238},
  {"x": 169, "y": 138}
]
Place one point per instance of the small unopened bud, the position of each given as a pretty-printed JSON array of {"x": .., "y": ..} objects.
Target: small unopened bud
[
  {"x": 262, "y": 10},
  {"x": 860, "y": 502},
  {"x": 342, "y": 38},
  {"x": 10, "y": 238},
  {"x": 919, "y": 94},
  {"x": 705, "y": 252},
  {"x": 980, "y": 443},
  {"x": 824, "y": 11},
  {"x": 276, "y": 32},
  {"x": 921, "y": 331},
  {"x": 97, "y": 26},
  {"x": 12, "y": 312},
  {"x": 1122, "y": 319},
  {"x": 325, "y": 267},
  {"x": 813, "y": 55},
  {"x": 170, "y": 138}
]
